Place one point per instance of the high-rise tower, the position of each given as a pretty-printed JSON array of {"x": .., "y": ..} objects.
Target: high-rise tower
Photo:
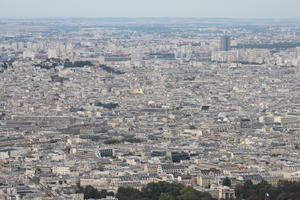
[{"x": 225, "y": 43}]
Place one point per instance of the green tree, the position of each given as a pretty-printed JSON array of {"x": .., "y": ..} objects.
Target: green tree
[
  {"x": 91, "y": 193},
  {"x": 188, "y": 193},
  {"x": 111, "y": 194},
  {"x": 226, "y": 182},
  {"x": 262, "y": 188},
  {"x": 284, "y": 191},
  {"x": 282, "y": 196},
  {"x": 154, "y": 190},
  {"x": 166, "y": 196},
  {"x": 162, "y": 191},
  {"x": 248, "y": 185},
  {"x": 254, "y": 197},
  {"x": 174, "y": 188},
  {"x": 128, "y": 193}
]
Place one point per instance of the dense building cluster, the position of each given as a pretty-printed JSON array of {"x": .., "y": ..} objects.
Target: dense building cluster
[{"x": 120, "y": 104}]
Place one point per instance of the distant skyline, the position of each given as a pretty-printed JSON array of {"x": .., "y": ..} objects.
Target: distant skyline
[{"x": 150, "y": 8}]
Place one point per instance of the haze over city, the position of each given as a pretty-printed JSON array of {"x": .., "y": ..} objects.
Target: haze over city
[
  {"x": 151, "y": 8},
  {"x": 149, "y": 100}
]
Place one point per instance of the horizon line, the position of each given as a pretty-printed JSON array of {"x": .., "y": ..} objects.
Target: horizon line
[{"x": 81, "y": 17}]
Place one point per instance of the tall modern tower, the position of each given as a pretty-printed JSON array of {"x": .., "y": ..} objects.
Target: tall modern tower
[
  {"x": 225, "y": 43},
  {"x": 298, "y": 52}
]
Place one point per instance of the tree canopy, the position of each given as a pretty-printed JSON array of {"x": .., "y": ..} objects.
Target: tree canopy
[
  {"x": 92, "y": 193},
  {"x": 152, "y": 191},
  {"x": 162, "y": 191},
  {"x": 226, "y": 182},
  {"x": 284, "y": 191}
]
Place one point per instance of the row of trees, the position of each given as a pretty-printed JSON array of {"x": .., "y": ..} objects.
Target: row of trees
[
  {"x": 111, "y": 70},
  {"x": 92, "y": 193},
  {"x": 284, "y": 191},
  {"x": 76, "y": 64},
  {"x": 118, "y": 141},
  {"x": 5, "y": 65},
  {"x": 107, "y": 105},
  {"x": 54, "y": 62},
  {"x": 69, "y": 64},
  {"x": 152, "y": 191},
  {"x": 175, "y": 191}
]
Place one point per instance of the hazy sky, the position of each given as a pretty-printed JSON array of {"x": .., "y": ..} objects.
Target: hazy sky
[{"x": 151, "y": 8}]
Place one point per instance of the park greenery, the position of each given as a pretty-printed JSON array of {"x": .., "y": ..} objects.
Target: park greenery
[
  {"x": 5, "y": 65},
  {"x": 92, "y": 193},
  {"x": 107, "y": 105},
  {"x": 152, "y": 191},
  {"x": 56, "y": 78},
  {"x": 284, "y": 191},
  {"x": 118, "y": 141},
  {"x": 51, "y": 63},
  {"x": 175, "y": 191},
  {"x": 69, "y": 64},
  {"x": 226, "y": 182},
  {"x": 110, "y": 69}
]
